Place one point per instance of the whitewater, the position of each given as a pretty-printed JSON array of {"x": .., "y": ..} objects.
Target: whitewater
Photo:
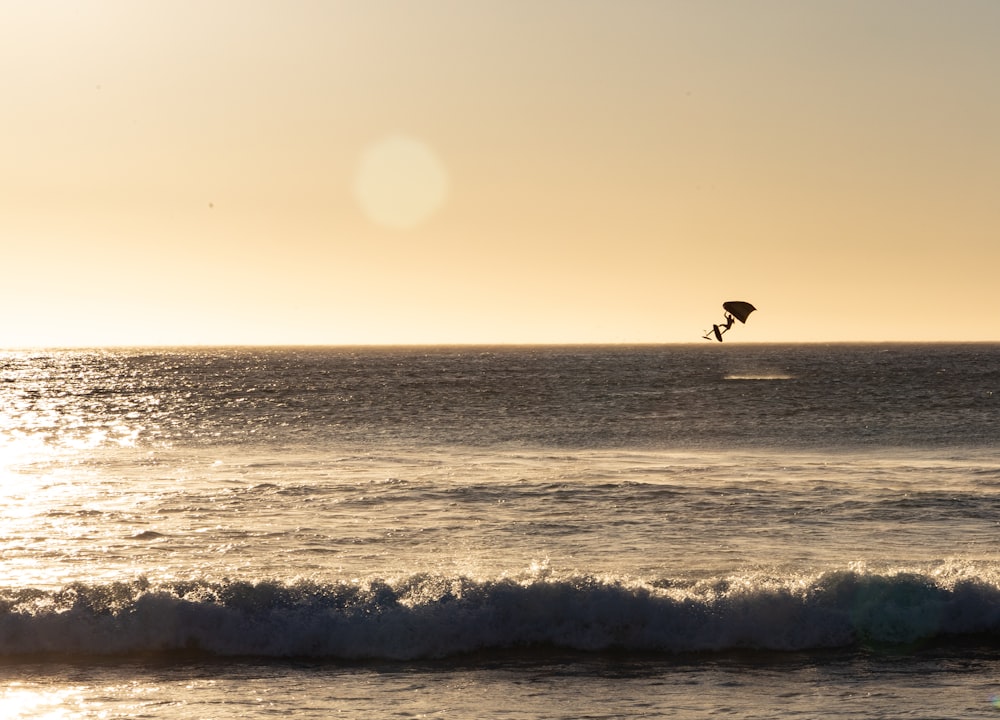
[{"x": 772, "y": 530}]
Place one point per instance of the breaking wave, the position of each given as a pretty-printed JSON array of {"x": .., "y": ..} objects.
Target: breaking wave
[{"x": 424, "y": 616}]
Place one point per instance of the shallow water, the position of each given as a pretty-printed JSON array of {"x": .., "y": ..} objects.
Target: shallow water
[{"x": 782, "y": 686}]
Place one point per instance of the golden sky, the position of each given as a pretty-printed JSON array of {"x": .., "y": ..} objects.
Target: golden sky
[{"x": 508, "y": 171}]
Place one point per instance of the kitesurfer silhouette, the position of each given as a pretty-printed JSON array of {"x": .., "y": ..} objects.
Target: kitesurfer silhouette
[
  {"x": 735, "y": 310},
  {"x": 717, "y": 330}
]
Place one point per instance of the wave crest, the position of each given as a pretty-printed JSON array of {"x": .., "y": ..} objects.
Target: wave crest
[{"x": 425, "y": 616}]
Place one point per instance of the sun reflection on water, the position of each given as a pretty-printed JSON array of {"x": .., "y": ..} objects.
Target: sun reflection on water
[
  {"x": 59, "y": 411},
  {"x": 19, "y": 701}
]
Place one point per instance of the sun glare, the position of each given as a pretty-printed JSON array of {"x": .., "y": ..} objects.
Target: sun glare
[
  {"x": 19, "y": 701},
  {"x": 400, "y": 182}
]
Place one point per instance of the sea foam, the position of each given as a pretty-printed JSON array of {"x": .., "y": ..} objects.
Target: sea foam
[{"x": 424, "y": 616}]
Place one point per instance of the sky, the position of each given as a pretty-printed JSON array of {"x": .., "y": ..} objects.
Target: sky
[{"x": 179, "y": 172}]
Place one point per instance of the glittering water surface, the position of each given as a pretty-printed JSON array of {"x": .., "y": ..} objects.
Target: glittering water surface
[{"x": 556, "y": 532}]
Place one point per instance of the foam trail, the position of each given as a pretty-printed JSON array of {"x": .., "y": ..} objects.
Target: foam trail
[{"x": 434, "y": 616}]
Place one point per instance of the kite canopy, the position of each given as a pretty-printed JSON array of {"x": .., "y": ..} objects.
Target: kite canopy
[{"x": 738, "y": 309}]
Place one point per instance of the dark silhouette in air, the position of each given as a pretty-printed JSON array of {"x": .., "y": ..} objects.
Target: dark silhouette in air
[{"x": 735, "y": 310}]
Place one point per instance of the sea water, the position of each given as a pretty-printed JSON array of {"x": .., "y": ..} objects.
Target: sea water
[{"x": 658, "y": 531}]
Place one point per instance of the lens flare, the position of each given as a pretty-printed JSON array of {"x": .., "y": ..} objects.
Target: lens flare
[{"x": 401, "y": 182}]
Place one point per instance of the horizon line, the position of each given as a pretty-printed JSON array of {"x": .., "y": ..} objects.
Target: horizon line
[{"x": 416, "y": 345}]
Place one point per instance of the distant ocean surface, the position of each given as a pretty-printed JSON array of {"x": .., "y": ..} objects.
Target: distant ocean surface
[{"x": 760, "y": 531}]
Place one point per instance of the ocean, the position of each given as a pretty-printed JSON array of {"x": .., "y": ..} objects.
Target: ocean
[{"x": 683, "y": 531}]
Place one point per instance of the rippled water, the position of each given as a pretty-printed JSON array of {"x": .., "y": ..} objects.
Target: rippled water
[{"x": 522, "y": 532}]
